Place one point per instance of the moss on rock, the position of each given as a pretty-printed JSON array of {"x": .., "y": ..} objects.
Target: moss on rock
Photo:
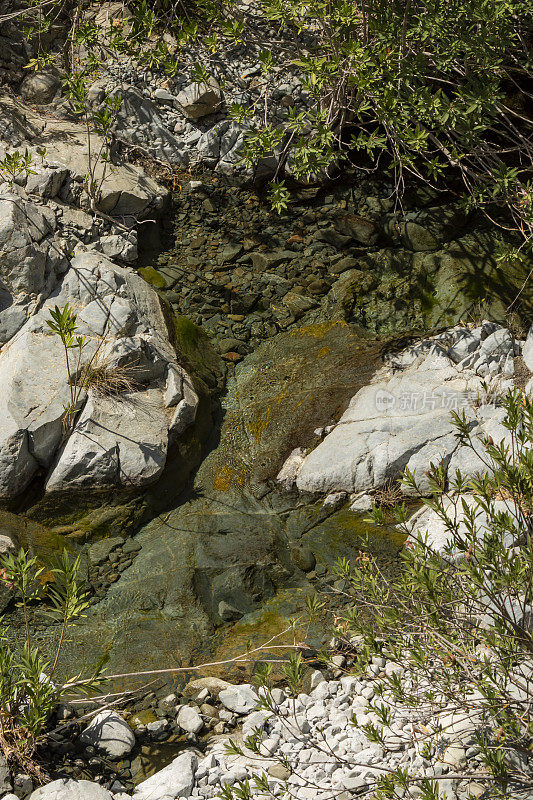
[{"x": 153, "y": 277}]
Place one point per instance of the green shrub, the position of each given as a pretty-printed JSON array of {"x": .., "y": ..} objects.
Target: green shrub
[
  {"x": 455, "y": 621},
  {"x": 29, "y": 691}
]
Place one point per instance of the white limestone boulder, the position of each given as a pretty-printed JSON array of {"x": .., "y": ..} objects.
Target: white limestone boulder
[
  {"x": 110, "y": 734},
  {"x": 117, "y": 440},
  {"x": 175, "y": 780},
  {"x": 403, "y": 419},
  {"x": 69, "y": 789},
  {"x": 240, "y": 698}
]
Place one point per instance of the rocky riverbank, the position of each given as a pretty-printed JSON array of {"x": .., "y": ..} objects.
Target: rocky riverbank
[
  {"x": 326, "y": 346},
  {"x": 314, "y": 743}
]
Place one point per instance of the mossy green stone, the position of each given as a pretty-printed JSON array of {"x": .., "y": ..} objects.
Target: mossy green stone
[{"x": 153, "y": 277}]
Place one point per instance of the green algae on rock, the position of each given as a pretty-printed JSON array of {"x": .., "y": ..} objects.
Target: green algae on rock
[{"x": 153, "y": 277}]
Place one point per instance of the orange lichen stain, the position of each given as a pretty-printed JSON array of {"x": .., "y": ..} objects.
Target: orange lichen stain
[
  {"x": 226, "y": 476},
  {"x": 223, "y": 479}
]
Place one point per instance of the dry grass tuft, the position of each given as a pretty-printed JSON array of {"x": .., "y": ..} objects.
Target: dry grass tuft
[
  {"x": 389, "y": 495},
  {"x": 108, "y": 380}
]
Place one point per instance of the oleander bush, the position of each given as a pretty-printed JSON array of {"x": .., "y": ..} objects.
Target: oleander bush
[
  {"x": 30, "y": 685},
  {"x": 454, "y": 624}
]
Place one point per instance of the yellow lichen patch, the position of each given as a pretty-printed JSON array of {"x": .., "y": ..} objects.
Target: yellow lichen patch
[
  {"x": 269, "y": 624},
  {"x": 225, "y": 477},
  {"x": 257, "y": 427},
  {"x": 26, "y": 533},
  {"x": 320, "y": 329}
]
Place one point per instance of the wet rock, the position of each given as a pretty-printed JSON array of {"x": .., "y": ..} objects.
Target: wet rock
[
  {"x": 99, "y": 551},
  {"x": 110, "y": 734},
  {"x": 303, "y": 558},
  {"x": 342, "y": 265},
  {"x": 230, "y": 253},
  {"x": 362, "y": 230},
  {"x": 298, "y": 304}
]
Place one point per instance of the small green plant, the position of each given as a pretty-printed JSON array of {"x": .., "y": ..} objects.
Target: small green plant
[
  {"x": 13, "y": 165},
  {"x": 63, "y": 324},
  {"x": 28, "y": 689}
]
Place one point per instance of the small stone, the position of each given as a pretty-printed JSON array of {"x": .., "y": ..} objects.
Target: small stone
[
  {"x": 279, "y": 771},
  {"x": 189, "y": 719},
  {"x": 199, "y": 99},
  {"x": 110, "y": 734},
  {"x": 303, "y": 558},
  {"x": 232, "y": 357},
  {"x": 316, "y": 677},
  {"x": 240, "y": 699},
  {"x": 209, "y": 711}
]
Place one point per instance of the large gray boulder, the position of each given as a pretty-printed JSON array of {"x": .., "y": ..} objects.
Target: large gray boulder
[
  {"x": 403, "y": 418},
  {"x": 116, "y": 440},
  {"x": 69, "y": 789},
  {"x": 30, "y": 260},
  {"x": 39, "y": 87},
  {"x": 119, "y": 439},
  {"x": 176, "y": 780},
  {"x": 110, "y": 734}
]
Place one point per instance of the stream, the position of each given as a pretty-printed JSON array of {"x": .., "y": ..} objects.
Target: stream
[{"x": 280, "y": 321}]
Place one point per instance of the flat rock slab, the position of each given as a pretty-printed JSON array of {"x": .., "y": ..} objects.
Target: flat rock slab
[
  {"x": 172, "y": 782},
  {"x": 403, "y": 418},
  {"x": 68, "y": 789}
]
